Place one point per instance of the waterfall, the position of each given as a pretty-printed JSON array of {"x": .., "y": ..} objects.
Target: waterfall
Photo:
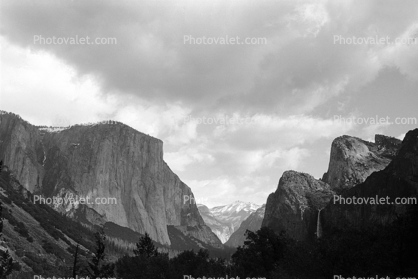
[
  {"x": 318, "y": 225},
  {"x": 302, "y": 210}
]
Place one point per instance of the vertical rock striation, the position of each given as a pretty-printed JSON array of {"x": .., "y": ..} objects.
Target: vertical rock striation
[
  {"x": 105, "y": 160},
  {"x": 21, "y": 149}
]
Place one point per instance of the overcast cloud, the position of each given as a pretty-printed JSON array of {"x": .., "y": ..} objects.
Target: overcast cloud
[{"x": 284, "y": 93}]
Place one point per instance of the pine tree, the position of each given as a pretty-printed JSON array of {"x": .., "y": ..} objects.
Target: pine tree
[
  {"x": 6, "y": 261},
  {"x": 1, "y": 166},
  {"x": 145, "y": 247},
  {"x": 98, "y": 267},
  {"x": 75, "y": 261},
  {"x": 261, "y": 251}
]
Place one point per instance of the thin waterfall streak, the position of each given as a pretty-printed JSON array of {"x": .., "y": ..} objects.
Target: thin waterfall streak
[{"x": 318, "y": 225}]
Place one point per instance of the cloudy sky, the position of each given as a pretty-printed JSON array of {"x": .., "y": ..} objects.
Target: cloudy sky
[{"x": 283, "y": 91}]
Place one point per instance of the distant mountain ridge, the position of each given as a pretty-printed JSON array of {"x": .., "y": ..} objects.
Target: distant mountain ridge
[
  {"x": 252, "y": 223},
  {"x": 234, "y": 208},
  {"x": 225, "y": 220}
]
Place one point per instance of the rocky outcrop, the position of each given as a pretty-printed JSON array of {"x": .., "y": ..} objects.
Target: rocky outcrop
[
  {"x": 352, "y": 160},
  {"x": 252, "y": 223},
  {"x": 294, "y": 206},
  {"x": 225, "y": 220},
  {"x": 21, "y": 149},
  {"x": 398, "y": 180},
  {"x": 28, "y": 227},
  {"x": 104, "y": 160}
]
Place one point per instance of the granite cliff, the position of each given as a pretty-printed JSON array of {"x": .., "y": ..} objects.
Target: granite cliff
[
  {"x": 398, "y": 180},
  {"x": 103, "y": 160},
  {"x": 301, "y": 204},
  {"x": 296, "y": 204},
  {"x": 352, "y": 160}
]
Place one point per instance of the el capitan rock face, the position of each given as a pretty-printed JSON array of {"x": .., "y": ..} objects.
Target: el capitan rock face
[
  {"x": 20, "y": 148},
  {"x": 296, "y": 204},
  {"x": 103, "y": 160},
  {"x": 352, "y": 160},
  {"x": 398, "y": 180}
]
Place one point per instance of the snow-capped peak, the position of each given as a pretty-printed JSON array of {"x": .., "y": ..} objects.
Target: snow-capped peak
[
  {"x": 224, "y": 220},
  {"x": 236, "y": 206}
]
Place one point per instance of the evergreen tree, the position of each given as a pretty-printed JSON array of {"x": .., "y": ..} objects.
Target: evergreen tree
[
  {"x": 260, "y": 253},
  {"x": 75, "y": 261},
  {"x": 145, "y": 247},
  {"x": 6, "y": 261},
  {"x": 6, "y": 265},
  {"x": 147, "y": 262},
  {"x": 98, "y": 267}
]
